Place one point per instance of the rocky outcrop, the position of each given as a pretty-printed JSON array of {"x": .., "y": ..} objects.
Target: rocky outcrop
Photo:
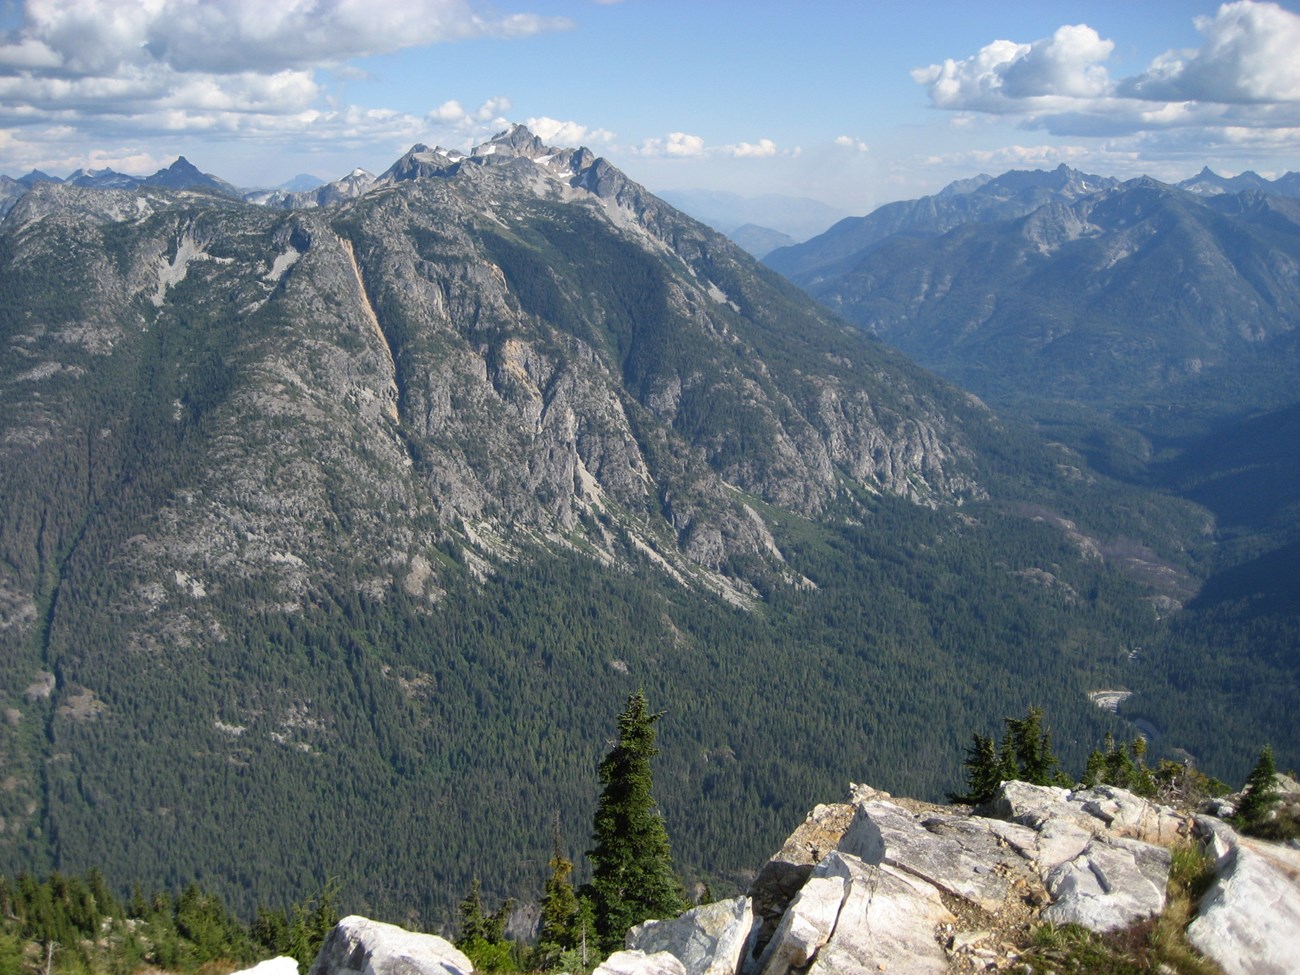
[
  {"x": 856, "y": 916},
  {"x": 886, "y": 884},
  {"x": 895, "y": 885},
  {"x": 637, "y": 962},
  {"x": 1249, "y": 919},
  {"x": 359, "y": 946},
  {"x": 708, "y": 940}
]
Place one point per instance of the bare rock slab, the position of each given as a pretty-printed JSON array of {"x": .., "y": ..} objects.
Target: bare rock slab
[
  {"x": 953, "y": 853},
  {"x": 636, "y": 962},
  {"x": 853, "y": 917},
  {"x": 1113, "y": 882},
  {"x": 1249, "y": 920},
  {"x": 283, "y": 965},
  {"x": 360, "y": 946},
  {"x": 708, "y": 940}
]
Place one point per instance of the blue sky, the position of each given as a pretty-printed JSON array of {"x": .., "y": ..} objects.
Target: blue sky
[{"x": 852, "y": 103}]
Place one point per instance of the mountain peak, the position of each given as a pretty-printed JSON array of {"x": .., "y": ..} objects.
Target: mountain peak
[
  {"x": 420, "y": 160},
  {"x": 37, "y": 176},
  {"x": 518, "y": 140},
  {"x": 184, "y": 175},
  {"x": 181, "y": 168}
]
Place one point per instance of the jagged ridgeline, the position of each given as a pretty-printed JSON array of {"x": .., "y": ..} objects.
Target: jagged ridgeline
[{"x": 332, "y": 540}]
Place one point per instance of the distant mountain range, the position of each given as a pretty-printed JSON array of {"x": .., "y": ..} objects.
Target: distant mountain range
[
  {"x": 797, "y": 217},
  {"x": 1064, "y": 285}
]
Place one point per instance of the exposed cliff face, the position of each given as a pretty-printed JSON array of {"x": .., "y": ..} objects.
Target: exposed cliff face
[{"x": 518, "y": 344}]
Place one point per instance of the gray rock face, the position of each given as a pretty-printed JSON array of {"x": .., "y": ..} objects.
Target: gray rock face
[
  {"x": 951, "y": 853},
  {"x": 1100, "y": 852},
  {"x": 884, "y": 921},
  {"x": 883, "y": 899},
  {"x": 636, "y": 962},
  {"x": 808, "y": 921},
  {"x": 1104, "y": 809},
  {"x": 359, "y": 946},
  {"x": 785, "y": 874},
  {"x": 1249, "y": 920},
  {"x": 708, "y": 940},
  {"x": 1111, "y": 883}
]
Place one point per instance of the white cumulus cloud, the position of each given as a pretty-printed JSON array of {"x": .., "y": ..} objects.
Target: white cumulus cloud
[
  {"x": 1004, "y": 76},
  {"x": 90, "y": 37},
  {"x": 109, "y": 71},
  {"x": 676, "y": 144},
  {"x": 1246, "y": 74},
  {"x": 681, "y": 145},
  {"x": 762, "y": 149},
  {"x": 555, "y": 132},
  {"x": 1251, "y": 55}
]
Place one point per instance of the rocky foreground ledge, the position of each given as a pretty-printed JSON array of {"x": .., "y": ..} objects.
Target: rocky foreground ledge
[{"x": 894, "y": 885}]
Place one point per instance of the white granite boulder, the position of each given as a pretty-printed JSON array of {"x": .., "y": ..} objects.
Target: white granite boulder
[
  {"x": 1126, "y": 814},
  {"x": 854, "y": 917},
  {"x": 1102, "y": 809},
  {"x": 1110, "y": 884},
  {"x": 359, "y": 946},
  {"x": 958, "y": 854},
  {"x": 1249, "y": 920},
  {"x": 637, "y": 962},
  {"x": 708, "y": 940},
  {"x": 283, "y": 965}
]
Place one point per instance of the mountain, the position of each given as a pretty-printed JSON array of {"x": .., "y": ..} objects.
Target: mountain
[
  {"x": 1149, "y": 328},
  {"x": 301, "y": 183},
  {"x": 348, "y": 187},
  {"x": 36, "y": 176},
  {"x": 1209, "y": 183},
  {"x": 1100, "y": 297},
  {"x": 103, "y": 179},
  {"x": 10, "y": 192},
  {"x": 798, "y": 217},
  {"x": 760, "y": 241},
  {"x": 333, "y": 539},
  {"x": 979, "y": 200},
  {"x": 184, "y": 175}
]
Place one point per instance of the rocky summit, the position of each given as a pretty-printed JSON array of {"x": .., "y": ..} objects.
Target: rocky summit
[{"x": 885, "y": 884}]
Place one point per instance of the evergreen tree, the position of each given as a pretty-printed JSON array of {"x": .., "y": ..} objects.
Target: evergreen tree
[
  {"x": 558, "y": 930},
  {"x": 1260, "y": 792},
  {"x": 1031, "y": 745},
  {"x": 985, "y": 771},
  {"x": 1121, "y": 765},
  {"x": 632, "y": 870},
  {"x": 1025, "y": 753},
  {"x": 483, "y": 936}
]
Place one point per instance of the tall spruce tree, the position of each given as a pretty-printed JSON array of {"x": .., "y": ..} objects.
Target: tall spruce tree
[
  {"x": 558, "y": 926},
  {"x": 632, "y": 876},
  {"x": 1260, "y": 793}
]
